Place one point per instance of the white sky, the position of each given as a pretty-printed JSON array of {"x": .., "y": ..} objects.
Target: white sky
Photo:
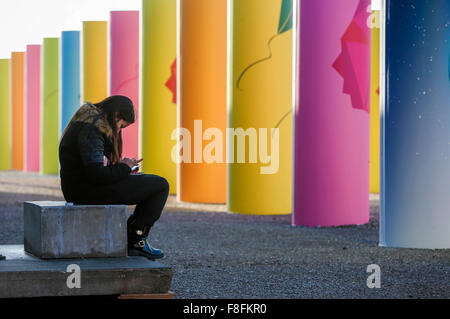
[{"x": 25, "y": 22}]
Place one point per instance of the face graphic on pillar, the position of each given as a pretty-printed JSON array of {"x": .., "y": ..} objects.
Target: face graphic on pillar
[
  {"x": 353, "y": 62},
  {"x": 171, "y": 83}
]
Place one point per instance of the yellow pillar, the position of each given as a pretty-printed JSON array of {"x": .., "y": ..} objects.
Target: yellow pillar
[
  {"x": 261, "y": 98},
  {"x": 5, "y": 113},
  {"x": 375, "y": 105},
  {"x": 95, "y": 61},
  {"x": 158, "y": 90},
  {"x": 50, "y": 107}
]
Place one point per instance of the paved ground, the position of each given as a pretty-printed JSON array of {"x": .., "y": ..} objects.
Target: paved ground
[{"x": 215, "y": 254}]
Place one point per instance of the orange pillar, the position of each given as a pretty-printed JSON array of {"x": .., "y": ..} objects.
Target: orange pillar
[
  {"x": 202, "y": 96},
  {"x": 17, "y": 110}
]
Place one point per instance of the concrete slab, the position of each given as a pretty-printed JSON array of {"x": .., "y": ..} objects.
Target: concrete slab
[
  {"x": 23, "y": 275},
  {"x": 54, "y": 229}
]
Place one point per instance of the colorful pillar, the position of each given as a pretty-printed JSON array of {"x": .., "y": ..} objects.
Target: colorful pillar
[
  {"x": 159, "y": 88},
  {"x": 32, "y": 107},
  {"x": 415, "y": 167},
  {"x": 17, "y": 110},
  {"x": 331, "y": 179},
  {"x": 261, "y": 104},
  {"x": 202, "y": 100},
  {"x": 5, "y": 113},
  {"x": 374, "y": 23},
  {"x": 124, "y": 68},
  {"x": 50, "y": 101},
  {"x": 70, "y": 76},
  {"x": 95, "y": 61}
]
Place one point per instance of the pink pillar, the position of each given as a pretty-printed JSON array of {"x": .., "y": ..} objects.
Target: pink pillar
[
  {"x": 32, "y": 107},
  {"x": 124, "y": 66},
  {"x": 331, "y": 182}
]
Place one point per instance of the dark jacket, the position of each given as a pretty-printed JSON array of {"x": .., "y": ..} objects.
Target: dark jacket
[{"x": 81, "y": 156}]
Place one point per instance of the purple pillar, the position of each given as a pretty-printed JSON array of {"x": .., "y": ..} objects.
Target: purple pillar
[{"x": 331, "y": 175}]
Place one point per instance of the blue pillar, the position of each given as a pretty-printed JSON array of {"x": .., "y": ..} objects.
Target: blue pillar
[
  {"x": 70, "y": 76},
  {"x": 415, "y": 120}
]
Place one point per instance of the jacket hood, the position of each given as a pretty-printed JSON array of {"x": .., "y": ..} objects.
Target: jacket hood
[{"x": 86, "y": 114}]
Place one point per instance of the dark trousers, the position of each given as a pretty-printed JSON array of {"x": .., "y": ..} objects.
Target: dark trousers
[{"x": 148, "y": 192}]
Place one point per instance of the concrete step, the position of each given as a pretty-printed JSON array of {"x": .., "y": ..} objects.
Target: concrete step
[
  {"x": 59, "y": 230},
  {"x": 23, "y": 275}
]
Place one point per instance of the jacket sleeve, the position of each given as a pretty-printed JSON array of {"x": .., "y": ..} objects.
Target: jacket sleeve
[{"x": 91, "y": 144}]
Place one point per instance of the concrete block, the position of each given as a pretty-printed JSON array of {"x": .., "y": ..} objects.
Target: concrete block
[
  {"x": 57, "y": 230},
  {"x": 23, "y": 275}
]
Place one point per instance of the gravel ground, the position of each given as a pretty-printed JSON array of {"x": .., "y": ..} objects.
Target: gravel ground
[{"x": 215, "y": 254}]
